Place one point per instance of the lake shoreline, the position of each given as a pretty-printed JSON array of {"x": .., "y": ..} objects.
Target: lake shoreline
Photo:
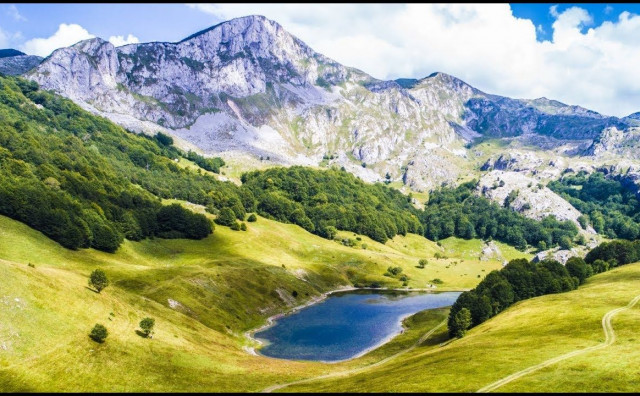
[{"x": 249, "y": 334}]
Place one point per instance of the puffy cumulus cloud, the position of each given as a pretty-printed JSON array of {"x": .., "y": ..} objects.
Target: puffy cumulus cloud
[
  {"x": 65, "y": 36},
  {"x": 121, "y": 40},
  {"x": 485, "y": 45}
]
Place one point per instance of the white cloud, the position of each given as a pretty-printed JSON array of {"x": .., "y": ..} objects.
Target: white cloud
[
  {"x": 65, "y": 36},
  {"x": 121, "y": 40},
  {"x": 14, "y": 13},
  {"x": 485, "y": 45}
]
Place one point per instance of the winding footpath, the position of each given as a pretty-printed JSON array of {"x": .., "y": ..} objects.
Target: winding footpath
[
  {"x": 359, "y": 369},
  {"x": 610, "y": 338}
]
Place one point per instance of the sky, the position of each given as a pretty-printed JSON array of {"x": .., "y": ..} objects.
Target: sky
[{"x": 579, "y": 54}]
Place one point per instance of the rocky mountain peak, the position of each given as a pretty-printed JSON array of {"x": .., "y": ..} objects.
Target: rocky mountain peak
[
  {"x": 9, "y": 52},
  {"x": 14, "y": 62},
  {"x": 634, "y": 116},
  {"x": 248, "y": 86},
  {"x": 449, "y": 81}
]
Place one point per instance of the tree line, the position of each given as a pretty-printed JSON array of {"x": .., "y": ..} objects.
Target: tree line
[
  {"x": 86, "y": 182},
  {"x": 459, "y": 212},
  {"x": 77, "y": 177},
  {"x": 610, "y": 208},
  {"x": 521, "y": 279}
]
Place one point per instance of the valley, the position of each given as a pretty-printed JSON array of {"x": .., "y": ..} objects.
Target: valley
[{"x": 237, "y": 176}]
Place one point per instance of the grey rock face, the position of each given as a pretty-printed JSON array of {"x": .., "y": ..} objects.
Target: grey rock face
[
  {"x": 247, "y": 85},
  {"x": 18, "y": 64}
]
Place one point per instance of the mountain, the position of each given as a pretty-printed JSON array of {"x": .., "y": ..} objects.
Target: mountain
[
  {"x": 14, "y": 62},
  {"x": 633, "y": 119},
  {"x": 248, "y": 86},
  {"x": 8, "y": 52}
]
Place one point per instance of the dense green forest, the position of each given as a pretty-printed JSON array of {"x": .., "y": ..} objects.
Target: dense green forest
[
  {"x": 323, "y": 201},
  {"x": 459, "y": 212},
  {"x": 85, "y": 182},
  {"x": 521, "y": 279},
  {"x": 606, "y": 205}
]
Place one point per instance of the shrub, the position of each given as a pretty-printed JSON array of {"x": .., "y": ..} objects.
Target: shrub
[
  {"x": 99, "y": 333},
  {"x": 460, "y": 323},
  {"x": 243, "y": 227},
  {"x": 252, "y": 218},
  {"x": 146, "y": 325},
  {"x": 235, "y": 226},
  {"x": 394, "y": 270},
  {"x": 98, "y": 280},
  {"x": 226, "y": 217},
  {"x": 163, "y": 139}
]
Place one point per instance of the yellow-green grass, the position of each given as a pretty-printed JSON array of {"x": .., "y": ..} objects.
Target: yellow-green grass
[
  {"x": 526, "y": 334},
  {"x": 187, "y": 164},
  {"x": 238, "y": 163},
  {"x": 223, "y": 285}
]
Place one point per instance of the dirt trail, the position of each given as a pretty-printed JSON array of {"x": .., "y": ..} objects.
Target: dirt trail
[
  {"x": 359, "y": 369},
  {"x": 610, "y": 338}
]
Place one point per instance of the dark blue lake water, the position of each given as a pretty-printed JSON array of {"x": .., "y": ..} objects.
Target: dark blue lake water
[{"x": 346, "y": 324}]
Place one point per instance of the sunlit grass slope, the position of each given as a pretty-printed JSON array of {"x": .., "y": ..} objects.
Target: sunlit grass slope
[
  {"x": 203, "y": 294},
  {"x": 528, "y": 333}
]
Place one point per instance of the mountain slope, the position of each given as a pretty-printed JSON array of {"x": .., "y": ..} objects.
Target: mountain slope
[
  {"x": 246, "y": 85},
  {"x": 14, "y": 62}
]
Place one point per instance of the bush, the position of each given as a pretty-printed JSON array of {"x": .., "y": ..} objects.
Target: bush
[
  {"x": 235, "y": 226},
  {"x": 460, "y": 322},
  {"x": 422, "y": 263},
  {"x": 164, "y": 140},
  {"x": 175, "y": 221},
  {"x": 99, "y": 333},
  {"x": 226, "y": 217},
  {"x": 252, "y": 218},
  {"x": 394, "y": 270},
  {"x": 146, "y": 325},
  {"x": 243, "y": 227},
  {"x": 98, "y": 280}
]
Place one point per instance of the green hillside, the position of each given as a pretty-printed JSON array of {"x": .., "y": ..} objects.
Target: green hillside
[
  {"x": 218, "y": 287},
  {"x": 528, "y": 334}
]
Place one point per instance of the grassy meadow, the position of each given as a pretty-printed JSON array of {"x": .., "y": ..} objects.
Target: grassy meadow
[{"x": 204, "y": 294}]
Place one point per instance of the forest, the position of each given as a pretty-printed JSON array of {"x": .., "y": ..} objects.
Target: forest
[
  {"x": 521, "y": 279},
  {"x": 86, "y": 182},
  {"x": 609, "y": 207}
]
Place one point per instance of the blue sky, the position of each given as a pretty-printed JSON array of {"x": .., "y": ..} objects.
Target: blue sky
[
  {"x": 582, "y": 54},
  {"x": 540, "y": 15},
  {"x": 172, "y": 22},
  {"x": 148, "y": 22}
]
